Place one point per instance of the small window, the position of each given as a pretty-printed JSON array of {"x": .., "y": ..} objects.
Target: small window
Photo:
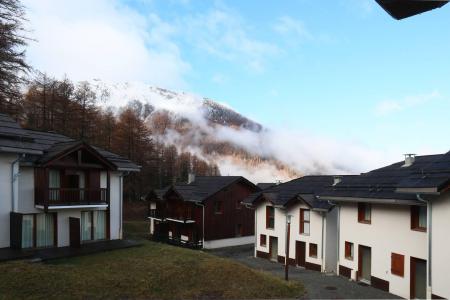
[
  {"x": 262, "y": 240},
  {"x": 270, "y": 217},
  {"x": 397, "y": 264},
  {"x": 304, "y": 221},
  {"x": 419, "y": 218},
  {"x": 239, "y": 230},
  {"x": 349, "y": 250},
  {"x": 312, "y": 250},
  {"x": 218, "y": 207},
  {"x": 364, "y": 213}
]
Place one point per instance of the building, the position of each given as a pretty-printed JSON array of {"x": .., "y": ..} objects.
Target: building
[
  {"x": 312, "y": 223},
  {"x": 204, "y": 213},
  {"x": 57, "y": 191},
  {"x": 393, "y": 226}
]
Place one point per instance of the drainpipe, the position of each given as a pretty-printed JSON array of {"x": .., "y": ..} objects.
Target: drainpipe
[
  {"x": 323, "y": 241},
  {"x": 429, "y": 234},
  {"x": 203, "y": 223},
  {"x": 338, "y": 236},
  {"x": 121, "y": 176},
  {"x": 255, "y": 239},
  {"x": 14, "y": 177}
]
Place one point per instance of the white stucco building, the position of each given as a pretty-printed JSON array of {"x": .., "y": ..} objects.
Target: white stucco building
[{"x": 56, "y": 191}]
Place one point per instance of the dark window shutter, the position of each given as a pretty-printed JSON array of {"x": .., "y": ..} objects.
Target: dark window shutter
[
  {"x": 397, "y": 264},
  {"x": 360, "y": 212},
  {"x": 302, "y": 221},
  {"x": 267, "y": 216}
]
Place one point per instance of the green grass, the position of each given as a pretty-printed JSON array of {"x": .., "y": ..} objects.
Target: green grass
[
  {"x": 136, "y": 230},
  {"x": 153, "y": 271}
]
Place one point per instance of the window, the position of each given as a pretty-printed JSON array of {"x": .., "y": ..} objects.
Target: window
[
  {"x": 304, "y": 221},
  {"x": 349, "y": 250},
  {"x": 218, "y": 207},
  {"x": 312, "y": 250},
  {"x": 38, "y": 230},
  {"x": 397, "y": 264},
  {"x": 419, "y": 218},
  {"x": 364, "y": 213},
  {"x": 270, "y": 217},
  {"x": 262, "y": 240},
  {"x": 239, "y": 230},
  {"x": 93, "y": 225}
]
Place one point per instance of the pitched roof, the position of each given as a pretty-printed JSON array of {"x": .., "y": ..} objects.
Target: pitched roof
[
  {"x": 305, "y": 188},
  {"x": 202, "y": 187},
  {"x": 41, "y": 146},
  {"x": 429, "y": 171},
  {"x": 265, "y": 185}
]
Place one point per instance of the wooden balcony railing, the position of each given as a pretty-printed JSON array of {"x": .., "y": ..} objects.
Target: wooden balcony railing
[{"x": 70, "y": 196}]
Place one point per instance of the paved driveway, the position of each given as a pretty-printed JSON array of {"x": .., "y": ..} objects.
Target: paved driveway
[{"x": 318, "y": 285}]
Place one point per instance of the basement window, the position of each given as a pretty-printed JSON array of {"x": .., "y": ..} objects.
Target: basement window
[
  {"x": 364, "y": 213},
  {"x": 312, "y": 250},
  {"x": 349, "y": 250},
  {"x": 419, "y": 218}
]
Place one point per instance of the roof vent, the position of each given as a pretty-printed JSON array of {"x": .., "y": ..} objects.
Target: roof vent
[
  {"x": 409, "y": 159},
  {"x": 336, "y": 180},
  {"x": 191, "y": 178}
]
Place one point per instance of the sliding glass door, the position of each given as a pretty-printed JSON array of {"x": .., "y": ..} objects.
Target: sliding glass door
[
  {"x": 93, "y": 225},
  {"x": 38, "y": 230}
]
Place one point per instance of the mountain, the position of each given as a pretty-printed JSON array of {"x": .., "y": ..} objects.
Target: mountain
[{"x": 204, "y": 127}]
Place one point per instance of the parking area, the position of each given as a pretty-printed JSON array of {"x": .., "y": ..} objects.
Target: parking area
[{"x": 318, "y": 285}]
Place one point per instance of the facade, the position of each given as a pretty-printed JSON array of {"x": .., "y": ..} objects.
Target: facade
[
  {"x": 57, "y": 191},
  {"x": 311, "y": 224},
  {"x": 205, "y": 213},
  {"x": 392, "y": 228}
]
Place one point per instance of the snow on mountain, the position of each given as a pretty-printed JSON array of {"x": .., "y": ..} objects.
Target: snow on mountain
[{"x": 238, "y": 145}]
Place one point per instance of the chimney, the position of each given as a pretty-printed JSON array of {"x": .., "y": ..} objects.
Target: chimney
[
  {"x": 191, "y": 178},
  {"x": 336, "y": 180},
  {"x": 409, "y": 159}
]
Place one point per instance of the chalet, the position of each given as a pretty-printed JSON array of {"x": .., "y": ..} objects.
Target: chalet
[
  {"x": 294, "y": 208},
  {"x": 204, "y": 213},
  {"x": 57, "y": 191},
  {"x": 393, "y": 226}
]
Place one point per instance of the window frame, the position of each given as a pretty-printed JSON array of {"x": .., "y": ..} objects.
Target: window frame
[
  {"x": 415, "y": 218},
  {"x": 397, "y": 264},
  {"x": 303, "y": 221},
  {"x": 362, "y": 209},
  {"x": 313, "y": 250},
  {"x": 34, "y": 230},
  {"x": 218, "y": 207},
  {"x": 269, "y": 209},
  {"x": 349, "y": 250},
  {"x": 263, "y": 240}
]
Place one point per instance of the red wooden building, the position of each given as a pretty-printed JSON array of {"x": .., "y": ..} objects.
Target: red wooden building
[{"x": 205, "y": 213}]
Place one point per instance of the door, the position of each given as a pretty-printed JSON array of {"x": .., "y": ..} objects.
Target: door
[
  {"x": 74, "y": 232},
  {"x": 364, "y": 263},
  {"x": 300, "y": 253},
  {"x": 418, "y": 278},
  {"x": 273, "y": 248}
]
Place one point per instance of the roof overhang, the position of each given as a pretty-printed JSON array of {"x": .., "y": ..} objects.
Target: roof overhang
[
  {"x": 401, "y": 9},
  {"x": 129, "y": 169},
  {"x": 428, "y": 190},
  {"x": 371, "y": 200},
  {"x": 20, "y": 151},
  {"x": 59, "y": 207}
]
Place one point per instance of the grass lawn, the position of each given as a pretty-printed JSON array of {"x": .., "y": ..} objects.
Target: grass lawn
[{"x": 153, "y": 271}]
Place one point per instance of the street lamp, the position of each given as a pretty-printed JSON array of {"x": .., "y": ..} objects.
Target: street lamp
[{"x": 286, "y": 260}]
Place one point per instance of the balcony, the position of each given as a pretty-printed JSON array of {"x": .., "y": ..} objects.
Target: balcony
[
  {"x": 178, "y": 217},
  {"x": 54, "y": 198}
]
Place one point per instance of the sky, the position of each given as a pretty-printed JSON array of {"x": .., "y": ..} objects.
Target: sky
[{"x": 341, "y": 70}]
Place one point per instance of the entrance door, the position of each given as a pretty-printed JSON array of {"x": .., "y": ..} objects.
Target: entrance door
[
  {"x": 300, "y": 253},
  {"x": 74, "y": 232},
  {"x": 364, "y": 263},
  {"x": 273, "y": 248},
  {"x": 418, "y": 278}
]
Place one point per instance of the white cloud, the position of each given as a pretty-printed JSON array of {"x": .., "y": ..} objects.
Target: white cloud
[
  {"x": 293, "y": 28},
  {"x": 389, "y": 106},
  {"x": 103, "y": 39},
  {"x": 222, "y": 33}
]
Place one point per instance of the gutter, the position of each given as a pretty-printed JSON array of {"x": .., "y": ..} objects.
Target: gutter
[
  {"x": 323, "y": 241},
  {"x": 121, "y": 176},
  {"x": 203, "y": 222},
  {"x": 14, "y": 178}
]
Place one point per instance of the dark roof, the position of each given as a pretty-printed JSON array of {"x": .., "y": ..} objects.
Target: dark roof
[
  {"x": 429, "y": 171},
  {"x": 40, "y": 146},
  {"x": 400, "y": 9},
  {"x": 202, "y": 187},
  {"x": 305, "y": 188},
  {"x": 265, "y": 185}
]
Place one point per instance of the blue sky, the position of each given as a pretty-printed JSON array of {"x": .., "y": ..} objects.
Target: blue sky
[{"x": 341, "y": 69}]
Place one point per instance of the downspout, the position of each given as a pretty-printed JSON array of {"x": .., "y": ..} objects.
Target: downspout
[
  {"x": 121, "y": 176},
  {"x": 14, "y": 177},
  {"x": 429, "y": 231},
  {"x": 323, "y": 241},
  {"x": 203, "y": 222},
  {"x": 255, "y": 238},
  {"x": 338, "y": 236}
]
